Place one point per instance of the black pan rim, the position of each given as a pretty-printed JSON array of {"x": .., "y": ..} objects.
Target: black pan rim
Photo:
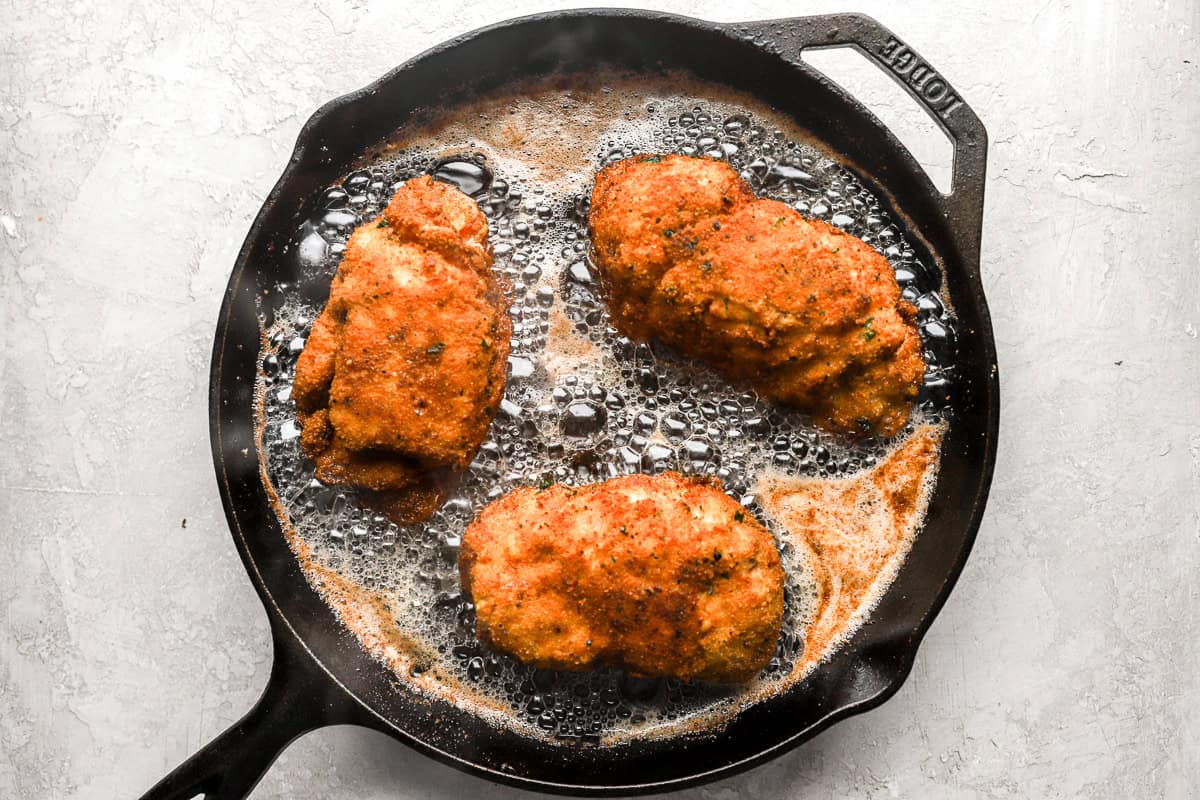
[{"x": 277, "y": 196}]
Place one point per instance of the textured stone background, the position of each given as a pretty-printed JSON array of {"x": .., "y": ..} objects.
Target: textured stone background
[{"x": 137, "y": 140}]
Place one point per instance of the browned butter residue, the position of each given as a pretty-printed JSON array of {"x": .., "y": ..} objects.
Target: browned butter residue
[
  {"x": 370, "y": 616},
  {"x": 569, "y": 352},
  {"x": 856, "y": 531}
]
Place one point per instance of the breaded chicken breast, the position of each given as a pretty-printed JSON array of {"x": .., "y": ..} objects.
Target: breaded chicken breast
[
  {"x": 663, "y": 575},
  {"x": 809, "y": 315},
  {"x": 404, "y": 368}
]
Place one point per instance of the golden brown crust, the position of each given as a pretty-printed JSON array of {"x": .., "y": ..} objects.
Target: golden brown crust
[
  {"x": 314, "y": 368},
  {"x": 808, "y": 314},
  {"x": 404, "y": 368},
  {"x": 662, "y": 575},
  {"x": 441, "y": 219},
  {"x": 635, "y": 204}
]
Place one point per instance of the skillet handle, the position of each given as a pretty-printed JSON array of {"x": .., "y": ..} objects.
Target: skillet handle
[
  {"x": 296, "y": 700},
  {"x": 963, "y": 206}
]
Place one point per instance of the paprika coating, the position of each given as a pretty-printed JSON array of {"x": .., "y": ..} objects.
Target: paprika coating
[
  {"x": 809, "y": 315},
  {"x": 404, "y": 368},
  {"x": 662, "y": 575}
]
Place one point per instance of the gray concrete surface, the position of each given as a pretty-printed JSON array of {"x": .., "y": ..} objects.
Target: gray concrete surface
[{"x": 137, "y": 140}]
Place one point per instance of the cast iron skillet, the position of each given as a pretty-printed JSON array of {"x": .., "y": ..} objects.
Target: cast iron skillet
[{"x": 321, "y": 676}]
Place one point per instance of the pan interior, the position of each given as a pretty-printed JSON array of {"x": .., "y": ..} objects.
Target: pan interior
[{"x": 582, "y": 403}]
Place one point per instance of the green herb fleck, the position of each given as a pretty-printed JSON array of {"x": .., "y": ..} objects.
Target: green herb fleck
[
  {"x": 706, "y": 266},
  {"x": 651, "y": 159},
  {"x": 435, "y": 350},
  {"x": 779, "y": 221},
  {"x": 869, "y": 333},
  {"x": 739, "y": 517},
  {"x": 485, "y": 344},
  {"x": 667, "y": 232},
  {"x": 383, "y": 223},
  {"x": 546, "y": 483}
]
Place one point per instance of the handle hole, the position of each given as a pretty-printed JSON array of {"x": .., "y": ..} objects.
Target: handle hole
[{"x": 903, "y": 115}]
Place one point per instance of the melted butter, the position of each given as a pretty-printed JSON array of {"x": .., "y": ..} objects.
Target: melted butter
[{"x": 855, "y": 532}]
